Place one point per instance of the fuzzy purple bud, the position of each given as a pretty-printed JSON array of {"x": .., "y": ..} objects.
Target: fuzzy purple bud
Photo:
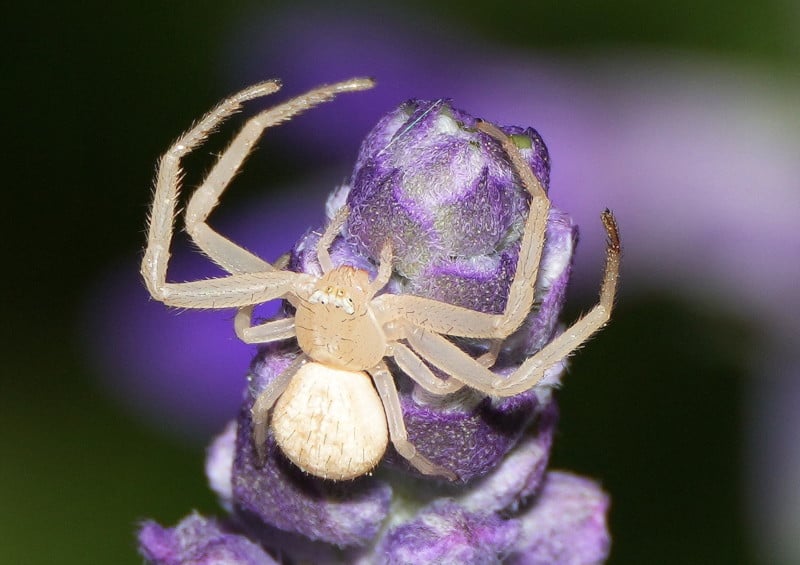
[
  {"x": 447, "y": 534},
  {"x": 566, "y": 524},
  {"x": 200, "y": 541},
  {"x": 447, "y": 198}
]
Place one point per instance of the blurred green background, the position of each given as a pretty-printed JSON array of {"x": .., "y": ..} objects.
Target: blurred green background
[{"x": 94, "y": 94}]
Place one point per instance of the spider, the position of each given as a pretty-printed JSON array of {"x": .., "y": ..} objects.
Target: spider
[{"x": 336, "y": 406}]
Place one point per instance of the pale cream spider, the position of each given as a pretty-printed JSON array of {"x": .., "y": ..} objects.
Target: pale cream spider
[{"x": 327, "y": 417}]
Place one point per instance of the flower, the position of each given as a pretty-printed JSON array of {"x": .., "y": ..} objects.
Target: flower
[
  {"x": 199, "y": 540},
  {"x": 454, "y": 209}
]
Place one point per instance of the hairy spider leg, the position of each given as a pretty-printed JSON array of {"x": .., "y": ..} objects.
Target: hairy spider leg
[
  {"x": 442, "y": 353},
  {"x": 387, "y": 390},
  {"x": 249, "y": 282}
]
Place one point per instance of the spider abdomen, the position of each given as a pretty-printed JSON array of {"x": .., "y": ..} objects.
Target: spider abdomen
[{"x": 331, "y": 423}]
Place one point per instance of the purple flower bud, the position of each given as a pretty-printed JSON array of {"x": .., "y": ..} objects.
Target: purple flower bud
[
  {"x": 447, "y": 197},
  {"x": 200, "y": 541},
  {"x": 566, "y": 524},
  {"x": 447, "y": 534}
]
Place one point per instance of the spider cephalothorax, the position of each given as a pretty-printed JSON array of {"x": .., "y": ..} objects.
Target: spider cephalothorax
[
  {"x": 336, "y": 404},
  {"x": 335, "y": 325}
]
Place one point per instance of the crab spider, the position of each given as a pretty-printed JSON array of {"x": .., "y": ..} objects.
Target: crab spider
[{"x": 336, "y": 406}]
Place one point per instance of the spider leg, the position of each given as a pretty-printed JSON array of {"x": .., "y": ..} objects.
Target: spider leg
[
  {"x": 244, "y": 318},
  {"x": 445, "y": 355},
  {"x": 580, "y": 331},
  {"x": 523, "y": 286},
  {"x": 265, "y": 401},
  {"x": 224, "y": 252},
  {"x": 384, "y": 383},
  {"x": 420, "y": 373},
  {"x": 205, "y": 198},
  {"x": 490, "y": 357},
  {"x": 384, "y": 269},
  {"x": 441, "y": 317},
  {"x": 273, "y": 330},
  {"x": 331, "y": 231},
  {"x": 233, "y": 291},
  {"x": 162, "y": 213}
]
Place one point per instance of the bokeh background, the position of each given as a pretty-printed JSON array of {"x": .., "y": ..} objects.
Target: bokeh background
[{"x": 683, "y": 117}]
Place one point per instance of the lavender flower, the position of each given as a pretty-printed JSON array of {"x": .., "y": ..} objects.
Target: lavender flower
[
  {"x": 450, "y": 201},
  {"x": 198, "y": 540}
]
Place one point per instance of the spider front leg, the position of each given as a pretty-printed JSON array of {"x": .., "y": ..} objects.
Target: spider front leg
[
  {"x": 445, "y": 355},
  {"x": 162, "y": 212},
  {"x": 221, "y": 250}
]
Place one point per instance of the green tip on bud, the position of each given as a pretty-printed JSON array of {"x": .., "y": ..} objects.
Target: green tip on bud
[{"x": 522, "y": 141}]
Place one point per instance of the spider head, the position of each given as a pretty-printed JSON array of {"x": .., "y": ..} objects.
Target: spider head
[{"x": 344, "y": 287}]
